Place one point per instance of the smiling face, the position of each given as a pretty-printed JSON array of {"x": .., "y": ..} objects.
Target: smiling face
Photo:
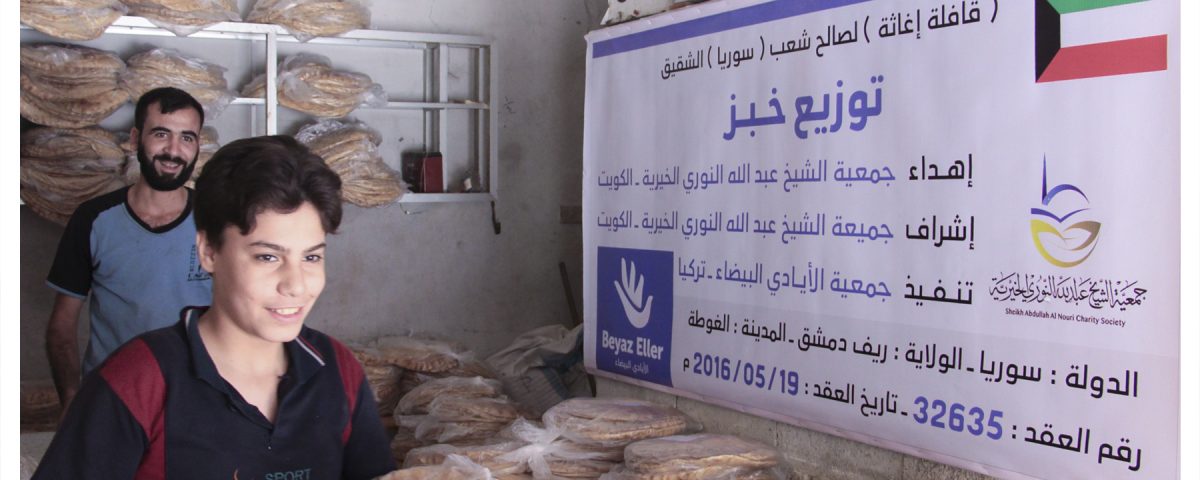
[
  {"x": 266, "y": 282},
  {"x": 167, "y": 146}
]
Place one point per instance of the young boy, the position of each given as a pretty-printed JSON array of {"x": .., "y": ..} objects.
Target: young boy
[{"x": 242, "y": 389}]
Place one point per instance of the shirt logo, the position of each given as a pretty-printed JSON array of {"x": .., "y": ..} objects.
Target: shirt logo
[{"x": 196, "y": 273}]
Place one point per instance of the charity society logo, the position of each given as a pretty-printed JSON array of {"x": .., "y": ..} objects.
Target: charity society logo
[
  {"x": 1063, "y": 246},
  {"x": 1054, "y": 62},
  {"x": 634, "y": 311}
]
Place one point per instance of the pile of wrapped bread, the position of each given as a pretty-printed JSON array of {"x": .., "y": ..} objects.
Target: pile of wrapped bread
[
  {"x": 69, "y": 86},
  {"x": 312, "y": 18},
  {"x": 71, "y": 19},
  {"x": 164, "y": 67},
  {"x": 351, "y": 149},
  {"x": 39, "y": 407},
  {"x": 407, "y": 373},
  {"x": 699, "y": 456},
  {"x": 184, "y": 17},
  {"x": 309, "y": 83},
  {"x": 614, "y": 439},
  {"x": 62, "y": 167},
  {"x": 87, "y": 19}
]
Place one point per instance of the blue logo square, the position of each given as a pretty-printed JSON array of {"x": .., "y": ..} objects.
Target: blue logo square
[{"x": 634, "y": 310}]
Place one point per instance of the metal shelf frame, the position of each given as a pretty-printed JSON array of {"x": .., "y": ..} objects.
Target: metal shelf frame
[{"x": 434, "y": 105}]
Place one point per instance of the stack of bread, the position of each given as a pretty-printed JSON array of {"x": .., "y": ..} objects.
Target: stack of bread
[
  {"x": 586, "y": 437},
  {"x": 209, "y": 144},
  {"x": 700, "y": 456},
  {"x": 426, "y": 369},
  {"x": 351, "y": 149},
  {"x": 69, "y": 86},
  {"x": 61, "y": 168},
  {"x": 385, "y": 382},
  {"x": 309, "y": 83},
  {"x": 39, "y": 407},
  {"x": 164, "y": 67},
  {"x": 312, "y": 18},
  {"x": 71, "y": 19},
  {"x": 185, "y": 17},
  {"x": 461, "y": 420},
  {"x": 486, "y": 455},
  {"x": 453, "y": 467}
]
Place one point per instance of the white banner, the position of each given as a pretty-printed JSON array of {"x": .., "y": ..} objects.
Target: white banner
[{"x": 945, "y": 228}]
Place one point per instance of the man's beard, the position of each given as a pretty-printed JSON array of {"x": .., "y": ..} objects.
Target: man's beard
[{"x": 164, "y": 182}]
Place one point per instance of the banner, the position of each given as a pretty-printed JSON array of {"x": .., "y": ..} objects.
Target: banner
[{"x": 944, "y": 228}]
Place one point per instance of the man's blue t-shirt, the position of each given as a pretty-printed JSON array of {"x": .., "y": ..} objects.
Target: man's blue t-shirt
[{"x": 139, "y": 277}]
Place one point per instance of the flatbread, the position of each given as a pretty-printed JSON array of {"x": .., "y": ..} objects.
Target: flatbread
[{"x": 698, "y": 452}]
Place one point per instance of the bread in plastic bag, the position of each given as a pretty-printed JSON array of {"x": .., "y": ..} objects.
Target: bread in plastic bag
[
  {"x": 69, "y": 86},
  {"x": 350, "y": 149},
  {"x": 61, "y": 168},
  {"x": 71, "y": 19},
  {"x": 623, "y": 472},
  {"x": 479, "y": 409},
  {"x": 384, "y": 381},
  {"x": 454, "y": 467},
  {"x": 610, "y": 422},
  {"x": 412, "y": 353},
  {"x": 485, "y": 455},
  {"x": 185, "y": 17},
  {"x": 53, "y": 71},
  {"x": 419, "y": 399},
  {"x": 403, "y": 442},
  {"x": 307, "y": 19},
  {"x": 308, "y": 83},
  {"x": 165, "y": 67},
  {"x": 549, "y": 455},
  {"x": 698, "y": 456},
  {"x": 433, "y": 430}
]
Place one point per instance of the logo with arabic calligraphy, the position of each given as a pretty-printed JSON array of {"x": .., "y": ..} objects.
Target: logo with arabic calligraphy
[
  {"x": 634, "y": 311},
  {"x": 1069, "y": 246},
  {"x": 1053, "y": 62}
]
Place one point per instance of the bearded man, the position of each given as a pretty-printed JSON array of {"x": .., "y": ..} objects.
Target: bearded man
[{"x": 131, "y": 251}]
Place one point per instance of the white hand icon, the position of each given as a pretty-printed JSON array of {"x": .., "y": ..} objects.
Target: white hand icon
[{"x": 630, "y": 291}]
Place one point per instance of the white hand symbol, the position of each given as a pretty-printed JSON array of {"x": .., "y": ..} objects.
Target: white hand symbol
[{"x": 630, "y": 291}]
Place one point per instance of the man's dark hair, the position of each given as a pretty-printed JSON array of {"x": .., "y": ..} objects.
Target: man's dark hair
[
  {"x": 169, "y": 99},
  {"x": 254, "y": 175}
]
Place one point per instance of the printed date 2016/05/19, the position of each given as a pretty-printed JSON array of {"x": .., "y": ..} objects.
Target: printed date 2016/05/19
[
  {"x": 754, "y": 375},
  {"x": 956, "y": 420}
]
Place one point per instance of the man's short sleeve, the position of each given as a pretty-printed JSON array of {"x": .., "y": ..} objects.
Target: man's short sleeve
[{"x": 71, "y": 272}]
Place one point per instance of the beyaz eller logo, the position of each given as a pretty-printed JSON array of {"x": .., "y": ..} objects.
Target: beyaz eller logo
[{"x": 629, "y": 290}]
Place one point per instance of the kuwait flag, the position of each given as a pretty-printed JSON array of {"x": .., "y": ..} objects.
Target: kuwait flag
[{"x": 1067, "y": 47}]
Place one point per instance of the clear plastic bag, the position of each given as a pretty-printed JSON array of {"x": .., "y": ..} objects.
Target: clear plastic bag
[
  {"x": 546, "y": 450},
  {"x": 185, "y": 18},
  {"x": 611, "y": 422},
  {"x": 699, "y": 456},
  {"x": 486, "y": 455},
  {"x": 419, "y": 399},
  {"x": 61, "y": 168},
  {"x": 309, "y": 83},
  {"x": 82, "y": 20},
  {"x": 165, "y": 67},
  {"x": 455, "y": 467},
  {"x": 307, "y": 19}
]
